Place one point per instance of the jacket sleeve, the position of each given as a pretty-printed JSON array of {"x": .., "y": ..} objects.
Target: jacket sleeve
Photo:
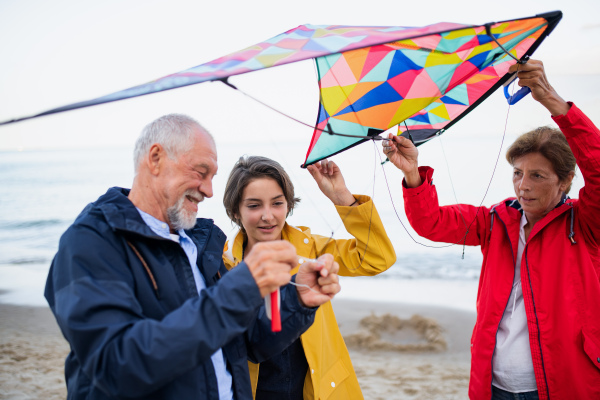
[
  {"x": 93, "y": 295},
  {"x": 370, "y": 252},
  {"x": 295, "y": 320},
  {"x": 261, "y": 342},
  {"x": 584, "y": 139},
  {"x": 459, "y": 223}
]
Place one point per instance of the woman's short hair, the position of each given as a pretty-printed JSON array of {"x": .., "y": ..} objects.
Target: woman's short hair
[
  {"x": 247, "y": 169},
  {"x": 549, "y": 142}
]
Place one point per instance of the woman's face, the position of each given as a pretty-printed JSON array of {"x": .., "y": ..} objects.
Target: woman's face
[
  {"x": 262, "y": 211},
  {"x": 537, "y": 186}
]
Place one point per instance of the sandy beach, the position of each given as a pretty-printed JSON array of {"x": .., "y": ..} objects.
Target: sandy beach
[
  {"x": 407, "y": 351},
  {"x": 399, "y": 351}
]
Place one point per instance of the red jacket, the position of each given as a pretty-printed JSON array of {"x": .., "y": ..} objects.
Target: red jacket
[{"x": 559, "y": 276}]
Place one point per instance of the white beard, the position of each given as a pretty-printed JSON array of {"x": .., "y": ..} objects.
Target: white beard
[{"x": 179, "y": 217}]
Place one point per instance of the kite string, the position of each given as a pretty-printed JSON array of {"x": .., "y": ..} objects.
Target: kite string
[
  {"x": 458, "y": 205},
  {"x": 362, "y": 258},
  {"x": 373, "y": 138},
  {"x": 464, "y": 238},
  {"x": 451, "y": 181},
  {"x": 385, "y": 176},
  {"x": 316, "y": 128}
]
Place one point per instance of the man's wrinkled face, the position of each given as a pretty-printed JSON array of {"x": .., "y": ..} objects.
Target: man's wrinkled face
[{"x": 188, "y": 180}]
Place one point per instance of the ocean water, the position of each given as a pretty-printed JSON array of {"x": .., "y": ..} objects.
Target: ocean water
[{"x": 42, "y": 192}]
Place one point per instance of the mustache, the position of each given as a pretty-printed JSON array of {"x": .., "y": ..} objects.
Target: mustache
[{"x": 194, "y": 194}]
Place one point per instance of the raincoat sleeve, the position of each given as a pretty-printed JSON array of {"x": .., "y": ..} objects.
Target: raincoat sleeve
[
  {"x": 459, "y": 223},
  {"x": 124, "y": 352},
  {"x": 370, "y": 252},
  {"x": 584, "y": 139},
  {"x": 267, "y": 343}
]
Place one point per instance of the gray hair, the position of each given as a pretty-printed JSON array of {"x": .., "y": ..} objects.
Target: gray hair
[{"x": 172, "y": 131}]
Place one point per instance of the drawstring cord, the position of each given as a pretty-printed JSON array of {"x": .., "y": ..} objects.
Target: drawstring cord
[
  {"x": 515, "y": 287},
  {"x": 572, "y": 233}
]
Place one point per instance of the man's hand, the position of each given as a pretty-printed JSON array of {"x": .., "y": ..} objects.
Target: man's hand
[
  {"x": 322, "y": 278},
  {"x": 270, "y": 264},
  {"x": 532, "y": 75},
  {"x": 331, "y": 182},
  {"x": 405, "y": 156}
]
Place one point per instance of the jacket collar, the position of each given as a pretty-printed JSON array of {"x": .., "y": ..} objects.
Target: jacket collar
[
  {"x": 510, "y": 211},
  {"x": 513, "y": 203},
  {"x": 289, "y": 232},
  {"x": 121, "y": 214}
]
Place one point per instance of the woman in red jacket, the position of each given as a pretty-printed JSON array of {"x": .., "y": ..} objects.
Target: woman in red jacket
[{"x": 538, "y": 304}]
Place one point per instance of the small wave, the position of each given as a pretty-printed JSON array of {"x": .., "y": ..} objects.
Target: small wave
[
  {"x": 5, "y": 225},
  {"x": 421, "y": 266},
  {"x": 25, "y": 261}
]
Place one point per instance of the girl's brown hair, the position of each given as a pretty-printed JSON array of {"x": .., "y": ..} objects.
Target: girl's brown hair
[{"x": 247, "y": 169}]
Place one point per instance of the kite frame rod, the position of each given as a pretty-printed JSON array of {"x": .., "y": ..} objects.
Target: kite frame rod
[{"x": 488, "y": 31}]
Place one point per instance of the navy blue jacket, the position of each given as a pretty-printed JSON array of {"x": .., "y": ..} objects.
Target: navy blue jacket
[{"x": 142, "y": 331}]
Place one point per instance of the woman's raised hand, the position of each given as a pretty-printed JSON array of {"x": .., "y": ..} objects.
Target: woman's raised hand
[
  {"x": 404, "y": 155},
  {"x": 331, "y": 182},
  {"x": 533, "y": 75}
]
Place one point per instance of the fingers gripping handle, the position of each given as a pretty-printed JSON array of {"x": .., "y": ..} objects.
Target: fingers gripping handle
[{"x": 272, "y": 304}]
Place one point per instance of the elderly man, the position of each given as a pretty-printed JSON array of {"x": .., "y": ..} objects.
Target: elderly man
[{"x": 140, "y": 292}]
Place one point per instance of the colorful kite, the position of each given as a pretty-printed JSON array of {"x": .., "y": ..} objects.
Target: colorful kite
[{"x": 373, "y": 78}]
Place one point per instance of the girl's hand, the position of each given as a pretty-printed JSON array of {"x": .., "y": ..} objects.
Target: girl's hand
[{"x": 331, "y": 182}]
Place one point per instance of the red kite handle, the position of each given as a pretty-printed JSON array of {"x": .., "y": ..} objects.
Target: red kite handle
[{"x": 275, "y": 317}]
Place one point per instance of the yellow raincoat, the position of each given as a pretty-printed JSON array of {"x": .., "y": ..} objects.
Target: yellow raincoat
[{"x": 330, "y": 373}]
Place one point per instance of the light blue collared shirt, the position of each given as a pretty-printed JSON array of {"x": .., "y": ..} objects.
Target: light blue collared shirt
[{"x": 191, "y": 251}]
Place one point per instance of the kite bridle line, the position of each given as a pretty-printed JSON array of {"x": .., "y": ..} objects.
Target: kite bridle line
[
  {"x": 374, "y": 138},
  {"x": 328, "y": 130},
  {"x": 464, "y": 238}
]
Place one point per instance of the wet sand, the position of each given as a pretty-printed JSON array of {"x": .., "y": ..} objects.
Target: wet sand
[
  {"x": 407, "y": 351},
  {"x": 399, "y": 351},
  {"x": 32, "y": 354}
]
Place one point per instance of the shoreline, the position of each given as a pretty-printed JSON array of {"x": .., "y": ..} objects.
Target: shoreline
[{"x": 406, "y": 365}]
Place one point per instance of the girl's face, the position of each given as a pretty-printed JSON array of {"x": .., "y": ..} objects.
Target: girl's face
[{"x": 262, "y": 211}]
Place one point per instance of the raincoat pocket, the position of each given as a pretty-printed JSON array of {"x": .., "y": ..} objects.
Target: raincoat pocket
[{"x": 591, "y": 346}]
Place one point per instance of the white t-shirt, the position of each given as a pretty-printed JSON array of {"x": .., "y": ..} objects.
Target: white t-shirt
[{"x": 512, "y": 366}]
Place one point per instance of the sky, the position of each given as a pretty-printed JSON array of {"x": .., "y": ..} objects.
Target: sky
[
  {"x": 60, "y": 52},
  {"x": 65, "y": 51}
]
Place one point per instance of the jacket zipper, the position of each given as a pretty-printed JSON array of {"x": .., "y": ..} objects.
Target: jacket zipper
[
  {"x": 537, "y": 323},
  {"x": 507, "y": 300}
]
